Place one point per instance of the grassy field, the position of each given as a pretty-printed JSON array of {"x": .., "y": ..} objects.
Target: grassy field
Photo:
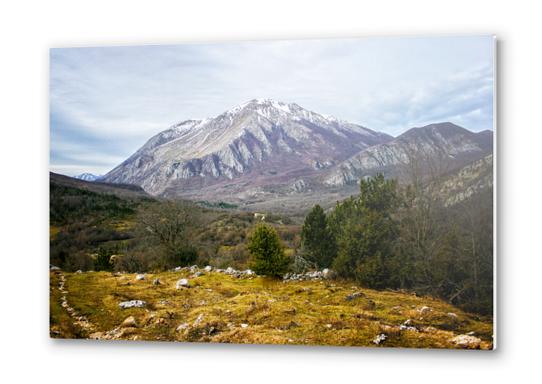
[{"x": 225, "y": 309}]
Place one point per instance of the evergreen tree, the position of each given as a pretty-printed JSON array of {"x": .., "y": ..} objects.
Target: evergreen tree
[
  {"x": 368, "y": 233},
  {"x": 267, "y": 252},
  {"x": 317, "y": 239}
]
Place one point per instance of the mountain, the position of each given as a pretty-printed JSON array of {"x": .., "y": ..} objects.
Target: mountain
[
  {"x": 468, "y": 181},
  {"x": 255, "y": 147},
  {"x": 432, "y": 150},
  {"x": 120, "y": 190},
  {"x": 88, "y": 177}
]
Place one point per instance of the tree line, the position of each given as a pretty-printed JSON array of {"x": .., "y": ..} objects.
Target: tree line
[{"x": 406, "y": 238}]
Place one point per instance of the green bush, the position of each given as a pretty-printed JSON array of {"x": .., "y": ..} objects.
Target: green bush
[{"x": 267, "y": 252}]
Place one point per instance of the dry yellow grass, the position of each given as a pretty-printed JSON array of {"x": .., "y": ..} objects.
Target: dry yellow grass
[{"x": 222, "y": 308}]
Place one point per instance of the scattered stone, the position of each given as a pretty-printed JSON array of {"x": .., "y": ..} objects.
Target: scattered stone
[
  {"x": 452, "y": 315},
  {"x": 311, "y": 275},
  {"x": 471, "y": 333},
  {"x": 54, "y": 268},
  {"x": 328, "y": 273},
  {"x": 78, "y": 271},
  {"x": 198, "y": 320},
  {"x": 198, "y": 274},
  {"x": 156, "y": 282},
  {"x": 182, "y": 327},
  {"x": 354, "y": 296},
  {"x": 129, "y": 322},
  {"x": 397, "y": 309},
  {"x": 177, "y": 269},
  {"x": 208, "y": 268},
  {"x": 466, "y": 341},
  {"x": 380, "y": 339},
  {"x": 182, "y": 283},
  {"x": 407, "y": 326},
  {"x": 423, "y": 310},
  {"x": 140, "y": 276},
  {"x": 132, "y": 304},
  {"x": 244, "y": 325}
]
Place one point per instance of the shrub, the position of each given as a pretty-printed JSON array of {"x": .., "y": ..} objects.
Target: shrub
[{"x": 267, "y": 252}]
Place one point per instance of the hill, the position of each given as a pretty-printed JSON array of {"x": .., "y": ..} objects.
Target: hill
[{"x": 219, "y": 307}]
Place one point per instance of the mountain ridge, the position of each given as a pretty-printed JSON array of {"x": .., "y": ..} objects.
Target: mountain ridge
[{"x": 266, "y": 154}]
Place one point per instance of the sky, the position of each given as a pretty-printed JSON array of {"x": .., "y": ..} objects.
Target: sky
[{"x": 106, "y": 102}]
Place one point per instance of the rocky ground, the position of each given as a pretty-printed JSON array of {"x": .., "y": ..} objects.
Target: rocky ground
[{"x": 229, "y": 306}]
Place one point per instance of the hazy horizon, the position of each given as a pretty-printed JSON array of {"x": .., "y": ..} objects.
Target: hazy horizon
[{"x": 106, "y": 102}]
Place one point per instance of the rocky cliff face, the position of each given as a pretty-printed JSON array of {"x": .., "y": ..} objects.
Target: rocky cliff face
[
  {"x": 432, "y": 150},
  {"x": 259, "y": 143}
]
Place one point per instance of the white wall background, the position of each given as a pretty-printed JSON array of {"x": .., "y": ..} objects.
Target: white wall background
[{"x": 28, "y": 29}]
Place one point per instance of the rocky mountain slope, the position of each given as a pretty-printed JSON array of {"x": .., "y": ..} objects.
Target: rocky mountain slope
[
  {"x": 467, "y": 181},
  {"x": 256, "y": 144},
  {"x": 432, "y": 150},
  {"x": 266, "y": 154}
]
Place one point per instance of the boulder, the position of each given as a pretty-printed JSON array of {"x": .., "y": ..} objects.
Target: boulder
[
  {"x": 132, "y": 304},
  {"x": 208, "y": 268},
  {"x": 54, "y": 268},
  {"x": 156, "y": 282},
  {"x": 129, "y": 322},
  {"x": 198, "y": 274},
  {"x": 244, "y": 325},
  {"x": 140, "y": 276},
  {"x": 466, "y": 341},
  {"x": 182, "y": 283}
]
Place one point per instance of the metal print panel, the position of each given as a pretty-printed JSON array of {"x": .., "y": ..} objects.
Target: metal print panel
[{"x": 309, "y": 192}]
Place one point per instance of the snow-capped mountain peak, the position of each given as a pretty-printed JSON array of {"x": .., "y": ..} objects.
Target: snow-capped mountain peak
[{"x": 243, "y": 140}]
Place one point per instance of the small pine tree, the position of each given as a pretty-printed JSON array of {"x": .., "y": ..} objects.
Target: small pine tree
[
  {"x": 317, "y": 239},
  {"x": 267, "y": 252}
]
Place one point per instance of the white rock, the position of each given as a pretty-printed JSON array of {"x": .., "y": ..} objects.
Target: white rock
[
  {"x": 423, "y": 310},
  {"x": 466, "y": 341},
  {"x": 182, "y": 283},
  {"x": 380, "y": 339},
  {"x": 182, "y": 327},
  {"x": 208, "y": 268},
  {"x": 140, "y": 276},
  {"x": 130, "y": 321},
  {"x": 198, "y": 320},
  {"x": 132, "y": 304},
  {"x": 244, "y": 325}
]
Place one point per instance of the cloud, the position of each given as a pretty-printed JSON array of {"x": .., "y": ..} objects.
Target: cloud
[{"x": 106, "y": 102}]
